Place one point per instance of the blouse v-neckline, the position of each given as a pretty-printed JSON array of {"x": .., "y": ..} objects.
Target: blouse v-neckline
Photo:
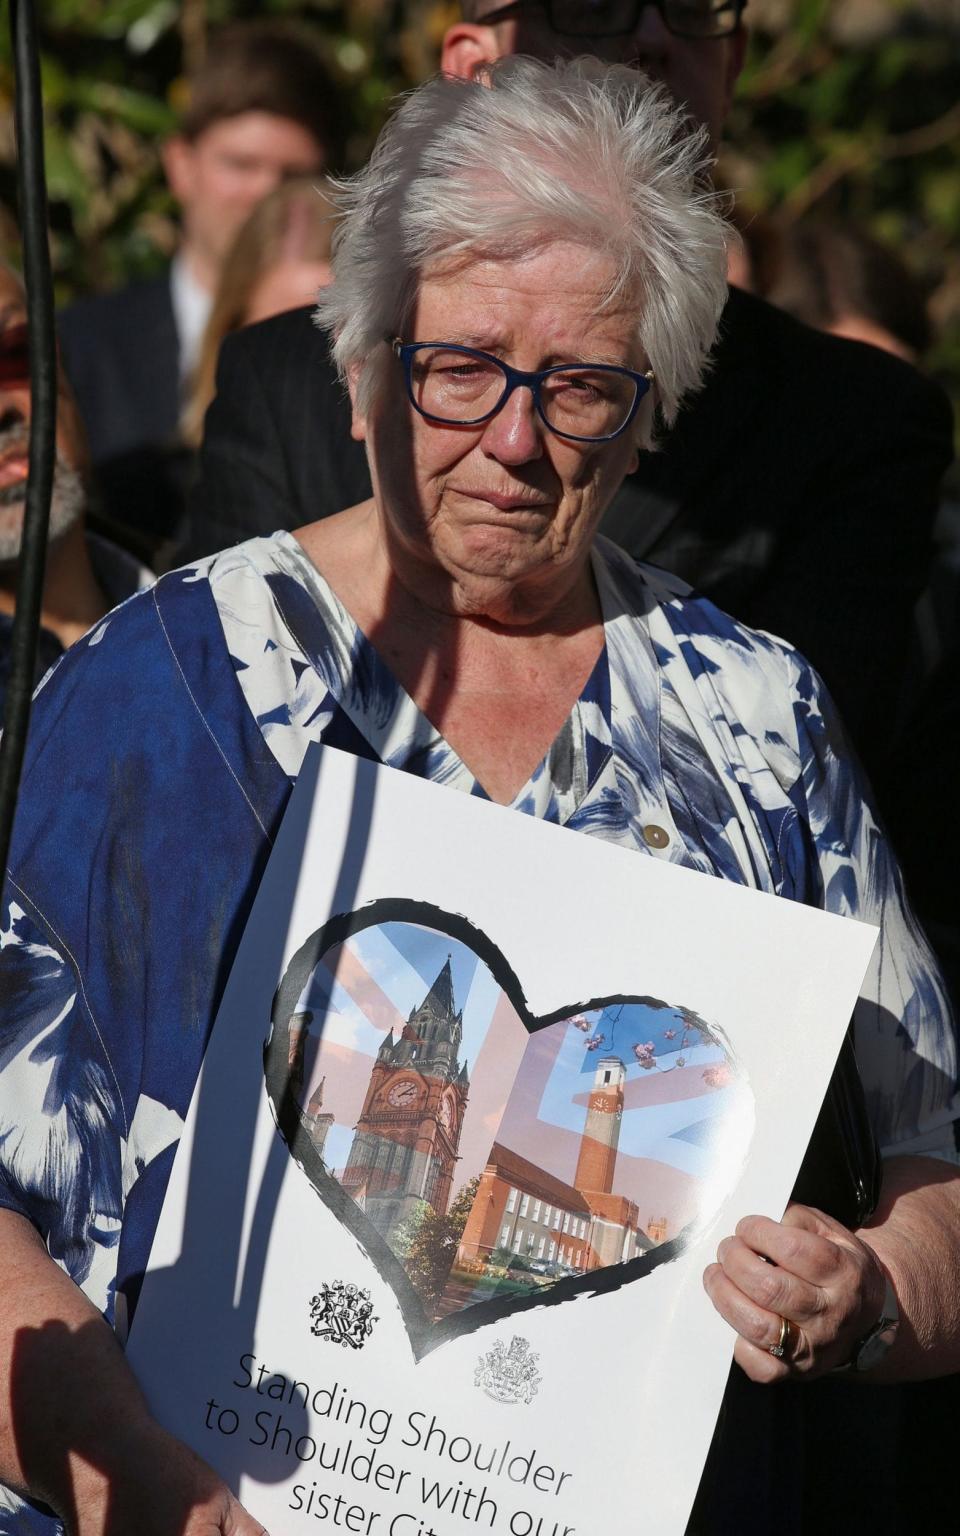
[
  {"x": 649, "y": 719},
  {"x": 405, "y": 736},
  {"x": 576, "y": 768}
]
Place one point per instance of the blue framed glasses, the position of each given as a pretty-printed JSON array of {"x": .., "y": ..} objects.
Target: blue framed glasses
[
  {"x": 462, "y": 387},
  {"x": 617, "y": 18}
]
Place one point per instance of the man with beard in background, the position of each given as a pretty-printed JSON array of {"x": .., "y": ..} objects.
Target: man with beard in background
[{"x": 86, "y": 575}]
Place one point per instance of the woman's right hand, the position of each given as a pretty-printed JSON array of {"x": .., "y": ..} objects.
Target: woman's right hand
[
  {"x": 158, "y": 1487},
  {"x": 76, "y": 1433}
]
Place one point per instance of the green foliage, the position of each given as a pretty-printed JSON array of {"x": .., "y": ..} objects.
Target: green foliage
[
  {"x": 426, "y": 1243},
  {"x": 408, "y": 1231}
]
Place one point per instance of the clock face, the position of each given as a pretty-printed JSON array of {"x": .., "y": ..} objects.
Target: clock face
[
  {"x": 606, "y": 1107},
  {"x": 402, "y": 1095},
  {"x": 445, "y": 1114}
]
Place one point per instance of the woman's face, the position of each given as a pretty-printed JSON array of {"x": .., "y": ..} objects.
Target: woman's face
[
  {"x": 287, "y": 285},
  {"x": 498, "y": 519}
]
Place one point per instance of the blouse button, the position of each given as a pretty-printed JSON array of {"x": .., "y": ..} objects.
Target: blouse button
[{"x": 655, "y": 836}]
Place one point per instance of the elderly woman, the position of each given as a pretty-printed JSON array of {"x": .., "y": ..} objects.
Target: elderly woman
[{"x": 526, "y": 271}]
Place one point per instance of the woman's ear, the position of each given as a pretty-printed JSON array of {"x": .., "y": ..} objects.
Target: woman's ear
[
  {"x": 644, "y": 427},
  {"x": 358, "y": 423},
  {"x": 177, "y": 157},
  {"x": 468, "y": 48}
]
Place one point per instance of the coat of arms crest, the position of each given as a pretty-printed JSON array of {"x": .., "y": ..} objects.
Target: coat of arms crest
[
  {"x": 509, "y": 1374},
  {"x": 343, "y": 1314}
]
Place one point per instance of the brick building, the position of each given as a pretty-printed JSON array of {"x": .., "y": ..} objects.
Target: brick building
[{"x": 522, "y": 1209}]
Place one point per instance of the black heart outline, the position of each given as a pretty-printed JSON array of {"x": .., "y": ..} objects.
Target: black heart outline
[{"x": 426, "y": 1335}]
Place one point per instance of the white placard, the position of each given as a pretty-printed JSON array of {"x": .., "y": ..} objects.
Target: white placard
[{"x": 481, "y": 1099}]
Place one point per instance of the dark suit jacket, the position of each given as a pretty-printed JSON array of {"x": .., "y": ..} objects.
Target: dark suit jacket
[
  {"x": 277, "y": 450},
  {"x": 797, "y": 489},
  {"x": 122, "y": 358}
]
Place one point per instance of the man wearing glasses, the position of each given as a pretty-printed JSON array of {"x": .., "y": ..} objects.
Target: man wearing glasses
[
  {"x": 797, "y": 489},
  {"x": 695, "y": 46}
]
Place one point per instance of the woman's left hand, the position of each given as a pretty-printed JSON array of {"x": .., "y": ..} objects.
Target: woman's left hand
[{"x": 807, "y": 1269}]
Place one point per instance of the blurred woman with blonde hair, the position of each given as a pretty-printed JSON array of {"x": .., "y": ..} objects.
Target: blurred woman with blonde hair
[{"x": 278, "y": 261}]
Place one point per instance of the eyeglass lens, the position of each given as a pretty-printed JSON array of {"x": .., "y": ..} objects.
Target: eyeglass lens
[
  {"x": 616, "y": 18},
  {"x": 14, "y": 355},
  {"x": 579, "y": 402}
]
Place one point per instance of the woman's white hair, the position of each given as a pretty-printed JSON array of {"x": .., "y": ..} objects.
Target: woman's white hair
[{"x": 531, "y": 154}]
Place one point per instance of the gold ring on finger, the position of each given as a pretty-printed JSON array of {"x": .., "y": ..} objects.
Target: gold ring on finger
[{"x": 782, "y": 1345}]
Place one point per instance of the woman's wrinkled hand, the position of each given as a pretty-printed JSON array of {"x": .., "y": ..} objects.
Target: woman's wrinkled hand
[{"x": 807, "y": 1269}]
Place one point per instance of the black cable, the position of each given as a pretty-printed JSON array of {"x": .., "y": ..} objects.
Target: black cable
[{"x": 32, "y": 188}]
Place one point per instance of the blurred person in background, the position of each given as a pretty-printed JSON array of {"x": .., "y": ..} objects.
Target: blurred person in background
[
  {"x": 837, "y": 278},
  {"x": 798, "y": 489},
  {"x": 279, "y": 260},
  {"x": 85, "y": 575},
  {"x": 259, "y": 110}
]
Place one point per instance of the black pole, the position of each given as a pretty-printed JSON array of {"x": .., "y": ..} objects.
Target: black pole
[{"x": 31, "y": 184}]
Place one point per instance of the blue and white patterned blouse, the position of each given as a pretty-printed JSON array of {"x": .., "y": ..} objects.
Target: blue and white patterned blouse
[{"x": 162, "y": 753}]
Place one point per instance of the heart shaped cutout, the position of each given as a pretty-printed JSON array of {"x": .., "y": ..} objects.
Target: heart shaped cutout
[{"x": 488, "y": 1160}]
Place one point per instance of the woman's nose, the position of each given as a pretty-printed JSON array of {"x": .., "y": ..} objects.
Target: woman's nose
[{"x": 515, "y": 434}]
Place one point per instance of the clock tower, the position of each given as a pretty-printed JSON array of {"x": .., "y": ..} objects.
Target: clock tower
[
  {"x": 406, "y": 1140},
  {"x": 316, "y": 1121},
  {"x": 601, "y": 1134}
]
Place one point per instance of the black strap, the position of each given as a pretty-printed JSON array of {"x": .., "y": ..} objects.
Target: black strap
[{"x": 31, "y": 182}]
